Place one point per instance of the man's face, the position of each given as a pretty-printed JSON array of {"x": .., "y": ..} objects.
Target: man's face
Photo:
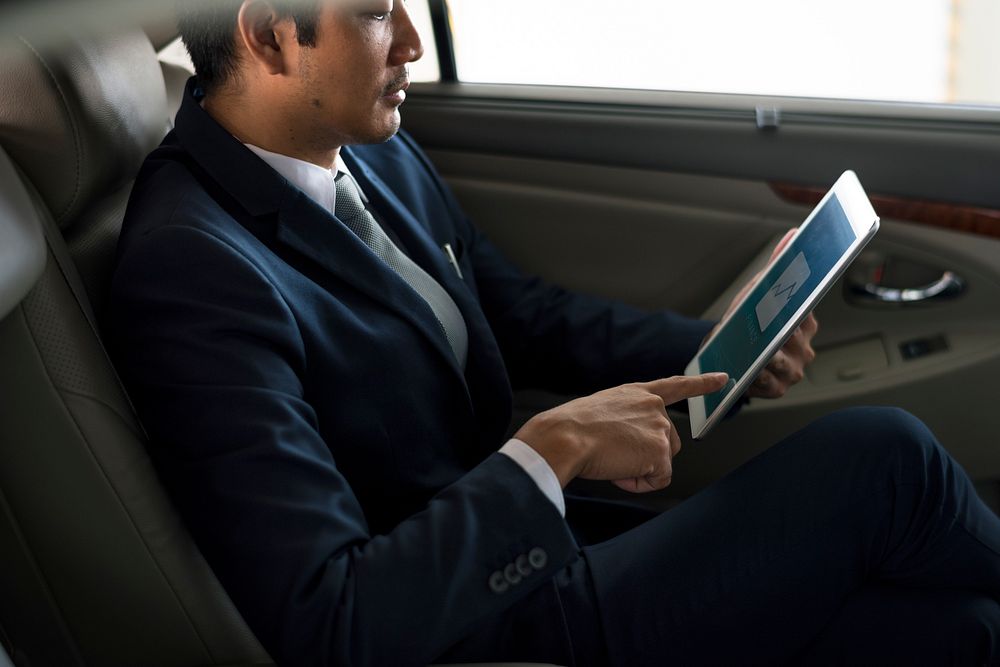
[{"x": 353, "y": 81}]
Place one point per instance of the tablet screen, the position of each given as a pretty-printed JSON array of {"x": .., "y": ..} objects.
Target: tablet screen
[{"x": 818, "y": 247}]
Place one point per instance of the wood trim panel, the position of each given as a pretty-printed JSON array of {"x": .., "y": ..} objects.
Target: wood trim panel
[{"x": 956, "y": 217}]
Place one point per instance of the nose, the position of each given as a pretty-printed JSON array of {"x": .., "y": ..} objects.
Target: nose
[{"x": 407, "y": 46}]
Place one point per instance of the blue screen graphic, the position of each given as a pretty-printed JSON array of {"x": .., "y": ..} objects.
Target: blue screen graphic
[{"x": 773, "y": 302}]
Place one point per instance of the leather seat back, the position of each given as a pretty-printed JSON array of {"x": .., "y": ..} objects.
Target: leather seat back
[{"x": 97, "y": 568}]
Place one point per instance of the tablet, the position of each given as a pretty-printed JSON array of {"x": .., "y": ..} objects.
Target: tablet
[{"x": 826, "y": 243}]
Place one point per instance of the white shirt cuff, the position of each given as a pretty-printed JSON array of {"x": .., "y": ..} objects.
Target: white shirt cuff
[{"x": 538, "y": 469}]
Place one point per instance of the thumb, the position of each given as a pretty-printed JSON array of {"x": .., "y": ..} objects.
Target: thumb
[{"x": 679, "y": 387}]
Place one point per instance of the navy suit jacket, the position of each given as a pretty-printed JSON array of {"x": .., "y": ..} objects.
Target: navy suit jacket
[{"x": 306, "y": 413}]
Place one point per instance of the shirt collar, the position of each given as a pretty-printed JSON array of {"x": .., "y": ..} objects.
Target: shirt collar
[{"x": 317, "y": 182}]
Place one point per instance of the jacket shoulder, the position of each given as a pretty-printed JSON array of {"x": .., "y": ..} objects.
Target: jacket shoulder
[{"x": 168, "y": 191}]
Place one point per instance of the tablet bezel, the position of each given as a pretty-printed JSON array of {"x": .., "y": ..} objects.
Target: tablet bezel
[{"x": 864, "y": 222}]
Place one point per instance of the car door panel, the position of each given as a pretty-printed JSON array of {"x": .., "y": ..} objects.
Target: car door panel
[
  {"x": 602, "y": 229},
  {"x": 670, "y": 207},
  {"x": 922, "y": 151}
]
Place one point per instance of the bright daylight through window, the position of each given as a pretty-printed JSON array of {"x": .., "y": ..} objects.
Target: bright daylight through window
[{"x": 943, "y": 51}]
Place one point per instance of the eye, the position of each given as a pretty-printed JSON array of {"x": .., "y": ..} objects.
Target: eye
[
  {"x": 380, "y": 11},
  {"x": 374, "y": 10}
]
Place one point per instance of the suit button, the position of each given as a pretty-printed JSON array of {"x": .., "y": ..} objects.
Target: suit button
[
  {"x": 538, "y": 558},
  {"x": 524, "y": 565},
  {"x": 511, "y": 574},
  {"x": 497, "y": 583}
]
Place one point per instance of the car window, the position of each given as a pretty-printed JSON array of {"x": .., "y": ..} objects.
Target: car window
[
  {"x": 938, "y": 51},
  {"x": 425, "y": 69}
]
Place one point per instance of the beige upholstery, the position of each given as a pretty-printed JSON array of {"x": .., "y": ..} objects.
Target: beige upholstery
[
  {"x": 97, "y": 569},
  {"x": 78, "y": 123},
  {"x": 85, "y": 117},
  {"x": 22, "y": 246},
  {"x": 175, "y": 77}
]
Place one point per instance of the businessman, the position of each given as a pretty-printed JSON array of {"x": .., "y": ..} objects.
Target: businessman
[{"x": 322, "y": 349}]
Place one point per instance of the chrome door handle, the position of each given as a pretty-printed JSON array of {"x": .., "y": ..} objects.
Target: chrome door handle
[{"x": 948, "y": 286}]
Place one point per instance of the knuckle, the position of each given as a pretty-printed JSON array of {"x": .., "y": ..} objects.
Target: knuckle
[{"x": 667, "y": 468}]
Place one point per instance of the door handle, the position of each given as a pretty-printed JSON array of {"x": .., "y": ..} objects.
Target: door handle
[{"x": 948, "y": 286}]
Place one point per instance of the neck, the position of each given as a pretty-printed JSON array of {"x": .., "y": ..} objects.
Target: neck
[{"x": 269, "y": 128}]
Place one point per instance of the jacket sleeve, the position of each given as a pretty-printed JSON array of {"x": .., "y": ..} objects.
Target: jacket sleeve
[{"x": 213, "y": 358}]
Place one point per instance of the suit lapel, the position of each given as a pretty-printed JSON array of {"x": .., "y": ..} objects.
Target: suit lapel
[
  {"x": 422, "y": 247},
  {"x": 486, "y": 374},
  {"x": 309, "y": 229}
]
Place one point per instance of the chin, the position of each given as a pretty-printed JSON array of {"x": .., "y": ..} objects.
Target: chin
[
  {"x": 384, "y": 132},
  {"x": 387, "y": 135}
]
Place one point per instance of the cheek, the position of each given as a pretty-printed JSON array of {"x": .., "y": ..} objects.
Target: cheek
[{"x": 362, "y": 78}]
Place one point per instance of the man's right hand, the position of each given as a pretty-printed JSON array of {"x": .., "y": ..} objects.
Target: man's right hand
[{"x": 621, "y": 434}]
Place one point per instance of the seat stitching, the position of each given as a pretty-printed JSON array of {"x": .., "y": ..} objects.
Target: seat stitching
[
  {"x": 103, "y": 403},
  {"x": 77, "y": 140}
]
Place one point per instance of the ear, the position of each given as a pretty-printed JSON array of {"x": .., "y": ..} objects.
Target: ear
[{"x": 267, "y": 38}]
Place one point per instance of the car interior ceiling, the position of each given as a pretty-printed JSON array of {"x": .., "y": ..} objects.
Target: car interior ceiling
[{"x": 98, "y": 568}]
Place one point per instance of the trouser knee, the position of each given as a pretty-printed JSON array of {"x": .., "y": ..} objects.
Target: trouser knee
[
  {"x": 886, "y": 433},
  {"x": 975, "y": 629}
]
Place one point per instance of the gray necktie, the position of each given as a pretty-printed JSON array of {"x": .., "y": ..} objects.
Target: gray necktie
[{"x": 352, "y": 212}]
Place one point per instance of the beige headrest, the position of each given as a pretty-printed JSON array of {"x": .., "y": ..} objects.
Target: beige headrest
[
  {"x": 22, "y": 242},
  {"x": 79, "y": 118}
]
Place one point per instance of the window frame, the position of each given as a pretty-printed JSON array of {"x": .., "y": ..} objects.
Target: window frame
[{"x": 441, "y": 24}]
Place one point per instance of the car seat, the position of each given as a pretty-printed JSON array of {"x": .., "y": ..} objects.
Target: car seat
[{"x": 95, "y": 566}]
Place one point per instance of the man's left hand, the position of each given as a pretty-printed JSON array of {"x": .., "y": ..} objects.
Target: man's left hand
[{"x": 787, "y": 366}]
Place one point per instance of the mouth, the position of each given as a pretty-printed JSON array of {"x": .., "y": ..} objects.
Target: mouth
[{"x": 396, "y": 89}]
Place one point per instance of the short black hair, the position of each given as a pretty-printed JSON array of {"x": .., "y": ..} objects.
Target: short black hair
[{"x": 208, "y": 28}]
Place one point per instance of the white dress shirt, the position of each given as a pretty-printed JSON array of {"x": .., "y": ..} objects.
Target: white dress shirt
[{"x": 318, "y": 183}]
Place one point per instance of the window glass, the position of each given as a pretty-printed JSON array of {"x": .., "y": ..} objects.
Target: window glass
[
  {"x": 425, "y": 69},
  {"x": 906, "y": 50}
]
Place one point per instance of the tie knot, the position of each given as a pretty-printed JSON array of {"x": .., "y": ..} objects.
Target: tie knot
[{"x": 348, "y": 204}]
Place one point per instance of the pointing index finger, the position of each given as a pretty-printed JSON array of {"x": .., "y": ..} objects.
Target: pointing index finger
[{"x": 679, "y": 387}]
